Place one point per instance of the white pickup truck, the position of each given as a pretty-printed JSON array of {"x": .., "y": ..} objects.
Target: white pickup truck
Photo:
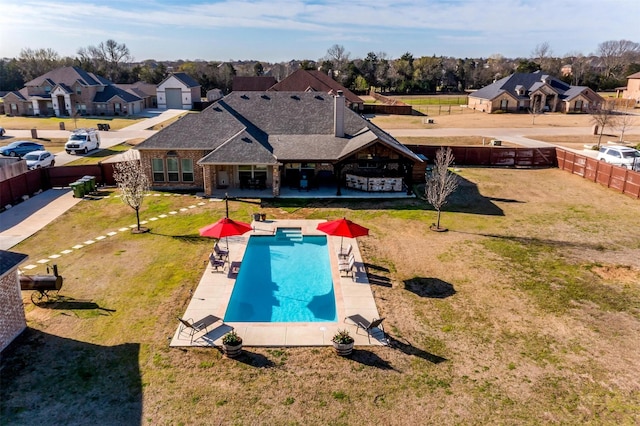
[{"x": 82, "y": 140}]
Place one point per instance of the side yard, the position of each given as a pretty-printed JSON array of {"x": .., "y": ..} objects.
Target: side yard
[{"x": 526, "y": 312}]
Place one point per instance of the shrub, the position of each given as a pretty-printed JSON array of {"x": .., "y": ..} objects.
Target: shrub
[
  {"x": 231, "y": 338},
  {"x": 342, "y": 337}
]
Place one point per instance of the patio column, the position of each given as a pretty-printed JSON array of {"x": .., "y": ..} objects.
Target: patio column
[
  {"x": 276, "y": 180},
  {"x": 207, "y": 176},
  {"x": 337, "y": 169},
  {"x": 409, "y": 178}
]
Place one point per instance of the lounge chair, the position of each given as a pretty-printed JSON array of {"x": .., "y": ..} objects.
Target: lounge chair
[
  {"x": 347, "y": 266},
  {"x": 367, "y": 326},
  {"x": 191, "y": 327},
  {"x": 216, "y": 263},
  {"x": 220, "y": 252},
  {"x": 345, "y": 251}
]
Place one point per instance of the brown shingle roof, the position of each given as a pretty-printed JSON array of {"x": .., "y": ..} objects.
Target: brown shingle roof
[
  {"x": 311, "y": 80},
  {"x": 252, "y": 84}
]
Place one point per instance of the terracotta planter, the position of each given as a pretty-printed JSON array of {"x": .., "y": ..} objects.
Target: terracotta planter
[
  {"x": 343, "y": 349},
  {"x": 232, "y": 351}
]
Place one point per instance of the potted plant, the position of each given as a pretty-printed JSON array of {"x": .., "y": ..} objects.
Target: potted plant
[
  {"x": 343, "y": 343},
  {"x": 231, "y": 344}
]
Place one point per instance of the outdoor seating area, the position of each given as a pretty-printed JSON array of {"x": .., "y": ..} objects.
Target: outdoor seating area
[{"x": 212, "y": 294}]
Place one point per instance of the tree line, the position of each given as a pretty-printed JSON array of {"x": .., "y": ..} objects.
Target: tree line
[{"x": 604, "y": 70}]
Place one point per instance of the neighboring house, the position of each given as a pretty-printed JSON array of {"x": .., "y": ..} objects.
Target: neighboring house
[
  {"x": 12, "y": 318},
  {"x": 145, "y": 91},
  {"x": 270, "y": 139},
  {"x": 523, "y": 91},
  {"x": 632, "y": 91},
  {"x": 178, "y": 91},
  {"x": 316, "y": 81},
  {"x": 252, "y": 84},
  {"x": 70, "y": 91}
]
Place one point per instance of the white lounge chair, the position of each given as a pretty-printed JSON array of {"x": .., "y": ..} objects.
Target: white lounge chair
[
  {"x": 347, "y": 267},
  {"x": 346, "y": 251}
]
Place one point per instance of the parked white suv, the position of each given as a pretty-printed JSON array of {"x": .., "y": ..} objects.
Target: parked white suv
[
  {"x": 620, "y": 156},
  {"x": 82, "y": 140},
  {"x": 37, "y": 159}
]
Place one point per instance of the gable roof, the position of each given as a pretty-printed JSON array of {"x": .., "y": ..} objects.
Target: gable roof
[
  {"x": 9, "y": 260},
  {"x": 267, "y": 127},
  {"x": 634, "y": 75},
  {"x": 112, "y": 91},
  {"x": 311, "y": 80},
  {"x": 183, "y": 78},
  {"x": 252, "y": 84},
  {"x": 68, "y": 76}
]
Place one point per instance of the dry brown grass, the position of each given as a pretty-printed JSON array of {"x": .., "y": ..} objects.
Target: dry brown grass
[
  {"x": 473, "y": 119},
  {"x": 527, "y": 311}
]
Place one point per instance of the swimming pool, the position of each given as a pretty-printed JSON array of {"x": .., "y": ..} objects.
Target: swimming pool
[{"x": 284, "y": 278}]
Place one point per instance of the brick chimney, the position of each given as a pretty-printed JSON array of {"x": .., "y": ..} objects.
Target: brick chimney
[{"x": 338, "y": 114}]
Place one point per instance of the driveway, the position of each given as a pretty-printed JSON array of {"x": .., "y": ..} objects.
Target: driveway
[{"x": 107, "y": 139}]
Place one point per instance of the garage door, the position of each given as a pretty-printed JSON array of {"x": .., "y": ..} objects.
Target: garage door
[{"x": 174, "y": 98}]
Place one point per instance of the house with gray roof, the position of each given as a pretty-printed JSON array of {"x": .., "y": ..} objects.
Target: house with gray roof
[
  {"x": 69, "y": 91},
  {"x": 265, "y": 140},
  {"x": 521, "y": 92},
  {"x": 178, "y": 91}
]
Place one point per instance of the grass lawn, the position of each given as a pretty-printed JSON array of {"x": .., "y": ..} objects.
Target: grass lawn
[
  {"x": 526, "y": 312},
  {"x": 53, "y": 123}
]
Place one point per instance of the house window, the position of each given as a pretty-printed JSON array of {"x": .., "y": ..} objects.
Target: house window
[
  {"x": 365, "y": 161},
  {"x": 116, "y": 107},
  {"x": 187, "y": 170},
  {"x": 14, "y": 108},
  {"x": 172, "y": 170},
  {"x": 578, "y": 105},
  {"x": 157, "y": 168},
  {"x": 78, "y": 90},
  {"x": 503, "y": 104}
]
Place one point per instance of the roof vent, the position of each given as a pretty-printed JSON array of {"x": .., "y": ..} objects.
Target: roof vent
[
  {"x": 265, "y": 97},
  {"x": 244, "y": 97},
  {"x": 296, "y": 97}
]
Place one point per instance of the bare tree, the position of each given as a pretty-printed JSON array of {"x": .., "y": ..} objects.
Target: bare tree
[
  {"x": 107, "y": 57},
  {"x": 615, "y": 54},
  {"x": 603, "y": 115},
  {"x": 536, "y": 109},
  {"x": 441, "y": 182},
  {"x": 542, "y": 54},
  {"x": 625, "y": 121},
  {"x": 132, "y": 183},
  {"x": 35, "y": 62}
]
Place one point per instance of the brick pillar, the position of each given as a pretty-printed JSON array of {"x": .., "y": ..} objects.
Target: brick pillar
[
  {"x": 276, "y": 180},
  {"x": 208, "y": 175},
  {"x": 12, "y": 319}
]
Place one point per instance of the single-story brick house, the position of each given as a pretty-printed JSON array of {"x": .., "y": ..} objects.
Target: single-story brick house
[
  {"x": 270, "y": 139},
  {"x": 178, "y": 91},
  {"x": 521, "y": 91},
  {"x": 12, "y": 318},
  {"x": 68, "y": 91}
]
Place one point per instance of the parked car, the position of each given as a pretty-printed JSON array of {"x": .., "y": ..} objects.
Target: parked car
[
  {"x": 20, "y": 148},
  {"x": 620, "y": 156},
  {"x": 37, "y": 159},
  {"x": 2, "y": 131}
]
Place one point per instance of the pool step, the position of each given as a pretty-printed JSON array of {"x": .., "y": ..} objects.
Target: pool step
[{"x": 289, "y": 234}]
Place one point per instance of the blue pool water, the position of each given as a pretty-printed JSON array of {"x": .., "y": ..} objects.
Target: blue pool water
[{"x": 284, "y": 278}]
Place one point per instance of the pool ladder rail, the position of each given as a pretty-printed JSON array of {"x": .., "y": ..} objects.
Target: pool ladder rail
[{"x": 289, "y": 234}]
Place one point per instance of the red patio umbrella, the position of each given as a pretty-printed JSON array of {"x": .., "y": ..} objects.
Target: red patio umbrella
[
  {"x": 343, "y": 228},
  {"x": 225, "y": 227}
]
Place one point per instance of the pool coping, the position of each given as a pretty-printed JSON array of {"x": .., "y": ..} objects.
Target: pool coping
[{"x": 211, "y": 297}]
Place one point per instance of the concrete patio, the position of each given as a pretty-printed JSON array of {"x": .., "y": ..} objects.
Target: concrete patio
[{"x": 211, "y": 297}]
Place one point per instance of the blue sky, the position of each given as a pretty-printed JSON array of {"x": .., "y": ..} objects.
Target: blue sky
[{"x": 281, "y": 30}]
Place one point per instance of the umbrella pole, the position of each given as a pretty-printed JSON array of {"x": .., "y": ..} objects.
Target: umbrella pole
[{"x": 341, "y": 238}]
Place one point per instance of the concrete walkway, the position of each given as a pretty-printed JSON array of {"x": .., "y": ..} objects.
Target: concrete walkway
[{"x": 25, "y": 219}]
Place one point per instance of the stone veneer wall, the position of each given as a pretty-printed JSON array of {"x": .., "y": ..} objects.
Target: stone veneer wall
[{"x": 12, "y": 319}]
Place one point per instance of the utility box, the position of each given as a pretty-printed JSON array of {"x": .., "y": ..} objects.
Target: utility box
[
  {"x": 61, "y": 125},
  {"x": 496, "y": 142},
  {"x": 34, "y": 134}
]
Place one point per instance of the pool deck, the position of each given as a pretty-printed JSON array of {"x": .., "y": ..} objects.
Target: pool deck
[{"x": 211, "y": 297}]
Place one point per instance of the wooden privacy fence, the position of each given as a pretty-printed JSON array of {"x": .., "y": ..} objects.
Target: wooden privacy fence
[
  {"x": 12, "y": 190},
  {"x": 486, "y": 156},
  {"x": 616, "y": 177}
]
